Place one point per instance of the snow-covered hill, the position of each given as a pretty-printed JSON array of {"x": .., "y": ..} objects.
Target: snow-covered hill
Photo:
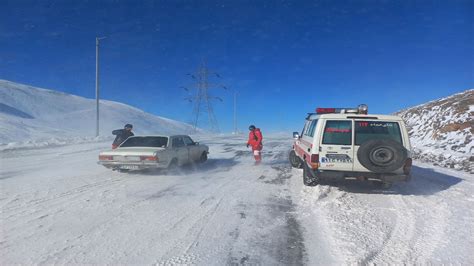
[
  {"x": 33, "y": 114},
  {"x": 441, "y": 131}
]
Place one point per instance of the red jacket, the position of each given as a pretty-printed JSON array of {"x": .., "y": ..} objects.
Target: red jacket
[{"x": 255, "y": 139}]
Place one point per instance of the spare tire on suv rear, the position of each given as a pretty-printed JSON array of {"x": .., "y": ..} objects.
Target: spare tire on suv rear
[{"x": 382, "y": 155}]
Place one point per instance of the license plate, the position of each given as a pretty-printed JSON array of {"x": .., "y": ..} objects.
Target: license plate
[{"x": 129, "y": 167}]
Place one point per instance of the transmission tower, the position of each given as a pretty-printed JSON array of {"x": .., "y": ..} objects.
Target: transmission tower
[{"x": 201, "y": 99}]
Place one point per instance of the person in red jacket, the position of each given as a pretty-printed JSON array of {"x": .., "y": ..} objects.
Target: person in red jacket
[{"x": 255, "y": 140}]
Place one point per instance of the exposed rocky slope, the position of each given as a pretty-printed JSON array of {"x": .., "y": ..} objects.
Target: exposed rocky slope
[{"x": 442, "y": 131}]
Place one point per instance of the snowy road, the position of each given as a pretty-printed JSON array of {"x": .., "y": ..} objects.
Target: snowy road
[{"x": 59, "y": 206}]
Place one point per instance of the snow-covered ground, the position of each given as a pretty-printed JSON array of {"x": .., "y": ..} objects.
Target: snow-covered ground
[{"x": 59, "y": 206}]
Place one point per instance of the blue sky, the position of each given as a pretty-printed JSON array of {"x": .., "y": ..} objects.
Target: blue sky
[{"x": 284, "y": 57}]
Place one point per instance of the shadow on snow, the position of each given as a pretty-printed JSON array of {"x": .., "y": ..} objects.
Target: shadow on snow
[{"x": 425, "y": 181}]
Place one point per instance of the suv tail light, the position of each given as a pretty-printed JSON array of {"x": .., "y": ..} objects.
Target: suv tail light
[
  {"x": 105, "y": 157},
  {"x": 407, "y": 166},
  {"x": 315, "y": 161},
  {"x": 148, "y": 158}
]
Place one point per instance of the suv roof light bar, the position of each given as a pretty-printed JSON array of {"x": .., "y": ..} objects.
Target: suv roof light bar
[{"x": 361, "y": 109}]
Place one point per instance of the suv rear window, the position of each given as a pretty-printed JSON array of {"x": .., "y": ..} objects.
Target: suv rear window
[
  {"x": 145, "y": 142},
  {"x": 338, "y": 133},
  {"x": 367, "y": 130}
]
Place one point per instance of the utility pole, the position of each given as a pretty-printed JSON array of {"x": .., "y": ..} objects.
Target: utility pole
[
  {"x": 235, "y": 112},
  {"x": 202, "y": 99},
  {"x": 97, "y": 39}
]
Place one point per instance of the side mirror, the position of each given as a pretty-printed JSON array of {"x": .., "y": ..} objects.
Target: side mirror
[
  {"x": 196, "y": 143},
  {"x": 296, "y": 135}
]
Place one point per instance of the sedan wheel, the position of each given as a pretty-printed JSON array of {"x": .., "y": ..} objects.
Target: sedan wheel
[{"x": 203, "y": 157}]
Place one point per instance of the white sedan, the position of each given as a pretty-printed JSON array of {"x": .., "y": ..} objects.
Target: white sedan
[{"x": 143, "y": 152}]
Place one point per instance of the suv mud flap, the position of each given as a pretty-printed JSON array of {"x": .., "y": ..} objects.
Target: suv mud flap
[{"x": 309, "y": 177}]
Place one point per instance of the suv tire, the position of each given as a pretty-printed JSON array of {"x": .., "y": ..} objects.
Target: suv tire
[
  {"x": 382, "y": 155},
  {"x": 295, "y": 161},
  {"x": 308, "y": 178}
]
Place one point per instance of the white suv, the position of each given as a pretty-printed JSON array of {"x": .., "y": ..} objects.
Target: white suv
[{"x": 347, "y": 143}]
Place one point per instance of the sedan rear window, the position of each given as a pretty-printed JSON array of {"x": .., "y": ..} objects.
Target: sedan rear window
[
  {"x": 158, "y": 142},
  {"x": 367, "y": 130}
]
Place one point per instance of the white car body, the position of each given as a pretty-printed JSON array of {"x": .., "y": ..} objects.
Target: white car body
[{"x": 170, "y": 151}]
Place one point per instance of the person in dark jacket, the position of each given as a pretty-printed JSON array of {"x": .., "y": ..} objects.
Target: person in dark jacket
[
  {"x": 255, "y": 140},
  {"x": 122, "y": 135}
]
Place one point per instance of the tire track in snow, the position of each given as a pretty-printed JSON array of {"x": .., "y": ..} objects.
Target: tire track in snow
[
  {"x": 188, "y": 246},
  {"x": 60, "y": 199},
  {"x": 414, "y": 238},
  {"x": 311, "y": 206},
  {"x": 397, "y": 245},
  {"x": 431, "y": 231},
  {"x": 126, "y": 211}
]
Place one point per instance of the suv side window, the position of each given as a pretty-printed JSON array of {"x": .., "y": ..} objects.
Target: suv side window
[
  {"x": 305, "y": 128},
  {"x": 311, "y": 128},
  {"x": 338, "y": 132}
]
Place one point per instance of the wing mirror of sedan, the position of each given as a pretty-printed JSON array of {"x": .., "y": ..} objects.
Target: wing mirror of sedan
[
  {"x": 296, "y": 135},
  {"x": 196, "y": 143}
]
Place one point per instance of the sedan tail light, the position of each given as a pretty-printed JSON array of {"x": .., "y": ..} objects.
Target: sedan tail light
[
  {"x": 105, "y": 157},
  {"x": 149, "y": 158}
]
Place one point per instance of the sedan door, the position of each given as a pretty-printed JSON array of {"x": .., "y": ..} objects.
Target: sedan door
[
  {"x": 181, "y": 150},
  {"x": 194, "y": 150}
]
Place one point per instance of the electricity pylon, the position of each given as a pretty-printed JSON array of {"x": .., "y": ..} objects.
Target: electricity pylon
[{"x": 202, "y": 99}]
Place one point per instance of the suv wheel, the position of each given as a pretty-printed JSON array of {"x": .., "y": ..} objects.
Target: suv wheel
[
  {"x": 308, "y": 178},
  {"x": 382, "y": 155},
  {"x": 295, "y": 161}
]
